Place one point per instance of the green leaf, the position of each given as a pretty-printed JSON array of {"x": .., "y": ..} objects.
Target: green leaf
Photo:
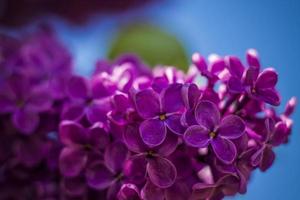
[{"x": 152, "y": 44}]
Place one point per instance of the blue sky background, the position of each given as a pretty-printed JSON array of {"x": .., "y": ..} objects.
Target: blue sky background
[{"x": 223, "y": 27}]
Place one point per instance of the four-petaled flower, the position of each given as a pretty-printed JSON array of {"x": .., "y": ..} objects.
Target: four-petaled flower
[{"x": 214, "y": 131}]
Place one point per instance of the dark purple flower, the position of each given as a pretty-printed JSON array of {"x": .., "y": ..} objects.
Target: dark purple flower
[
  {"x": 108, "y": 174},
  {"x": 258, "y": 85},
  {"x": 129, "y": 192},
  {"x": 24, "y": 101},
  {"x": 274, "y": 135},
  {"x": 80, "y": 143},
  {"x": 161, "y": 113},
  {"x": 150, "y": 161},
  {"x": 226, "y": 185},
  {"x": 86, "y": 100},
  {"x": 214, "y": 131}
]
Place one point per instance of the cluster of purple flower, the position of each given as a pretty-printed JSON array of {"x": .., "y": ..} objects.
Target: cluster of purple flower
[{"x": 132, "y": 133}]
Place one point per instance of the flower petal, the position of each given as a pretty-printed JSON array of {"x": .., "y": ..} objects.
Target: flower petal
[
  {"x": 235, "y": 85},
  {"x": 190, "y": 95},
  {"x": 129, "y": 191},
  {"x": 153, "y": 132},
  {"x": 72, "y": 161},
  {"x": 98, "y": 137},
  {"x": 98, "y": 176},
  {"x": 162, "y": 172},
  {"x": 178, "y": 191},
  {"x": 207, "y": 114},
  {"x": 197, "y": 136},
  {"x": 267, "y": 79},
  {"x": 280, "y": 134},
  {"x": 39, "y": 100},
  {"x": 252, "y": 58},
  {"x": 268, "y": 158},
  {"x": 152, "y": 192},
  {"x": 133, "y": 139},
  {"x": 115, "y": 156},
  {"x": 269, "y": 96},
  {"x": 168, "y": 146},
  {"x": 224, "y": 149},
  {"x": 147, "y": 103},
  {"x": 173, "y": 122},
  {"x": 202, "y": 191},
  {"x": 72, "y": 133},
  {"x": 135, "y": 168},
  {"x": 172, "y": 98},
  {"x": 231, "y": 127},
  {"x": 78, "y": 87},
  {"x": 235, "y": 66},
  {"x": 25, "y": 121},
  {"x": 73, "y": 112},
  {"x": 251, "y": 75},
  {"x": 97, "y": 111}
]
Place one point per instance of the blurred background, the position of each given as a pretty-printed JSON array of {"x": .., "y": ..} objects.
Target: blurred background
[{"x": 168, "y": 32}]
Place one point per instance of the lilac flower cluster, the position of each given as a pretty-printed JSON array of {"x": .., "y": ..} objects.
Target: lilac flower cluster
[{"x": 131, "y": 133}]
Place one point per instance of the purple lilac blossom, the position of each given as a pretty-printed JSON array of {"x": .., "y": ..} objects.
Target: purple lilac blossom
[{"x": 129, "y": 133}]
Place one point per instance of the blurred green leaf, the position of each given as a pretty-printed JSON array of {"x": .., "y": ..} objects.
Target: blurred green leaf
[{"x": 152, "y": 44}]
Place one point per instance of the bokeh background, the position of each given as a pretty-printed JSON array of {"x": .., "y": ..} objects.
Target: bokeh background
[{"x": 169, "y": 31}]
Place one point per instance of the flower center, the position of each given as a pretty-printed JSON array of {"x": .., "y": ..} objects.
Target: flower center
[
  {"x": 162, "y": 117},
  {"x": 253, "y": 90},
  {"x": 212, "y": 134}
]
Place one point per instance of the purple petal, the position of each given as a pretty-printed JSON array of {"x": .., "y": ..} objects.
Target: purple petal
[
  {"x": 251, "y": 76},
  {"x": 268, "y": 158},
  {"x": 280, "y": 134},
  {"x": 129, "y": 192},
  {"x": 256, "y": 158},
  {"x": 162, "y": 172},
  {"x": 6, "y": 104},
  {"x": 269, "y": 96},
  {"x": 178, "y": 191},
  {"x": 153, "y": 132},
  {"x": 133, "y": 139},
  {"x": 78, "y": 87},
  {"x": 98, "y": 176},
  {"x": 207, "y": 114},
  {"x": 74, "y": 186},
  {"x": 72, "y": 161},
  {"x": 197, "y": 136},
  {"x": 235, "y": 66},
  {"x": 73, "y": 112},
  {"x": 190, "y": 95},
  {"x": 235, "y": 85},
  {"x": 252, "y": 58},
  {"x": 151, "y": 192},
  {"x": 115, "y": 156},
  {"x": 172, "y": 98},
  {"x": 25, "y": 121},
  {"x": 202, "y": 191},
  {"x": 231, "y": 127},
  {"x": 97, "y": 111},
  {"x": 39, "y": 100},
  {"x": 224, "y": 149},
  {"x": 98, "y": 137},
  {"x": 168, "y": 146},
  {"x": 160, "y": 83},
  {"x": 267, "y": 79},
  {"x": 173, "y": 122},
  {"x": 72, "y": 133},
  {"x": 147, "y": 103},
  {"x": 135, "y": 168}
]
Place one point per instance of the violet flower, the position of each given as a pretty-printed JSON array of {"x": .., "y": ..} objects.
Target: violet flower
[
  {"x": 211, "y": 130},
  {"x": 161, "y": 113},
  {"x": 80, "y": 143},
  {"x": 274, "y": 136}
]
